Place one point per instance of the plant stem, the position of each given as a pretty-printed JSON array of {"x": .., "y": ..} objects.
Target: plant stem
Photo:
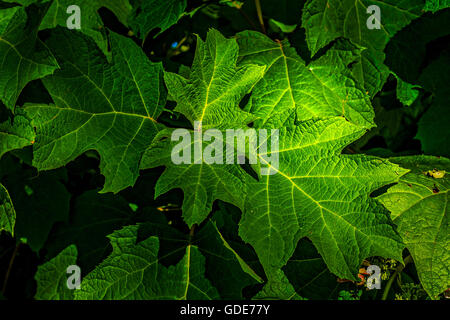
[
  {"x": 260, "y": 17},
  {"x": 191, "y": 233},
  {"x": 399, "y": 269},
  {"x": 11, "y": 262}
]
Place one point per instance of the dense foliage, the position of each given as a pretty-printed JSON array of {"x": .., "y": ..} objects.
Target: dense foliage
[{"x": 86, "y": 175}]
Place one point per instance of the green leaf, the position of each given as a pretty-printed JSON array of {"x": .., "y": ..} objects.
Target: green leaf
[
  {"x": 201, "y": 183},
  {"x": 121, "y": 8},
  {"x": 406, "y": 52},
  {"x": 279, "y": 26},
  {"x": 226, "y": 257},
  {"x": 7, "y": 213},
  {"x": 226, "y": 218},
  {"x": 16, "y": 133},
  {"x": 433, "y": 130},
  {"x": 57, "y": 13},
  {"x": 211, "y": 96},
  {"x": 321, "y": 89},
  {"x": 150, "y": 14},
  {"x": 309, "y": 274},
  {"x": 111, "y": 108},
  {"x": 277, "y": 288},
  {"x": 435, "y": 5},
  {"x": 232, "y": 3},
  {"x": 323, "y": 195},
  {"x": 407, "y": 93},
  {"x": 419, "y": 207},
  {"x": 51, "y": 277},
  {"x": 327, "y": 20},
  {"x": 141, "y": 276},
  {"x": 40, "y": 201},
  {"x": 23, "y": 2},
  {"x": 94, "y": 216},
  {"x": 24, "y": 57},
  {"x": 91, "y": 22},
  {"x": 215, "y": 86},
  {"x": 220, "y": 256}
]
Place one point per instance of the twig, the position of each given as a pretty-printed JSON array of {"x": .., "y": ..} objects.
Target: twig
[
  {"x": 260, "y": 17},
  {"x": 399, "y": 269}
]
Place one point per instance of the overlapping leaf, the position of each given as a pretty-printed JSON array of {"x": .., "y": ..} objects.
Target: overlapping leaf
[
  {"x": 215, "y": 86},
  {"x": 109, "y": 98},
  {"x": 211, "y": 97},
  {"x": 324, "y": 88},
  {"x": 150, "y": 14},
  {"x": 23, "y": 56},
  {"x": 90, "y": 21},
  {"x": 226, "y": 257},
  {"x": 140, "y": 276},
  {"x": 94, "y": 216},
  {"x": 326, "y": 21},
  {"x": 322, "y": 195},
  {"x": 111, "y": 108},
  {"x": 406, "y": 52},
  {"x": 315, "y": 192},
  {"x": 226, "y": 269},
  {"x": 16, "y": 133},
  {"x": 309, "y": 274},
  {"x": 278, "y": 288},
  {"x": 433, "y": 126},
  {"x": 419, "y": 207}
]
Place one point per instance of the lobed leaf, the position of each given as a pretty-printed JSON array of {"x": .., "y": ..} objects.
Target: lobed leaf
[
  {"x": 23, "y": 56},
  {"x": 211, "y": 97},
  {"x": 326, "y": 20},
  {"x": 112, "y": 108},
  {"x": 141, "y": 276},
  {"x": 323, "y": 195},
  {"x": 419, "y": 207},
  {"x": 322, "y": 89}
]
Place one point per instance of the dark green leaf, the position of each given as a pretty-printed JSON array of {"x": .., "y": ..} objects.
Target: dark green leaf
[
  {"x": 7, "y": 213},
  {"x": 51, "y": 277},
  {"x": 94, "y": 216},
  {"x": 150, "y": 14},
  {"x": 24, "y": 57},
  {"x": 141, "y": 276},
  {"x": 110, "y": 108}
]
